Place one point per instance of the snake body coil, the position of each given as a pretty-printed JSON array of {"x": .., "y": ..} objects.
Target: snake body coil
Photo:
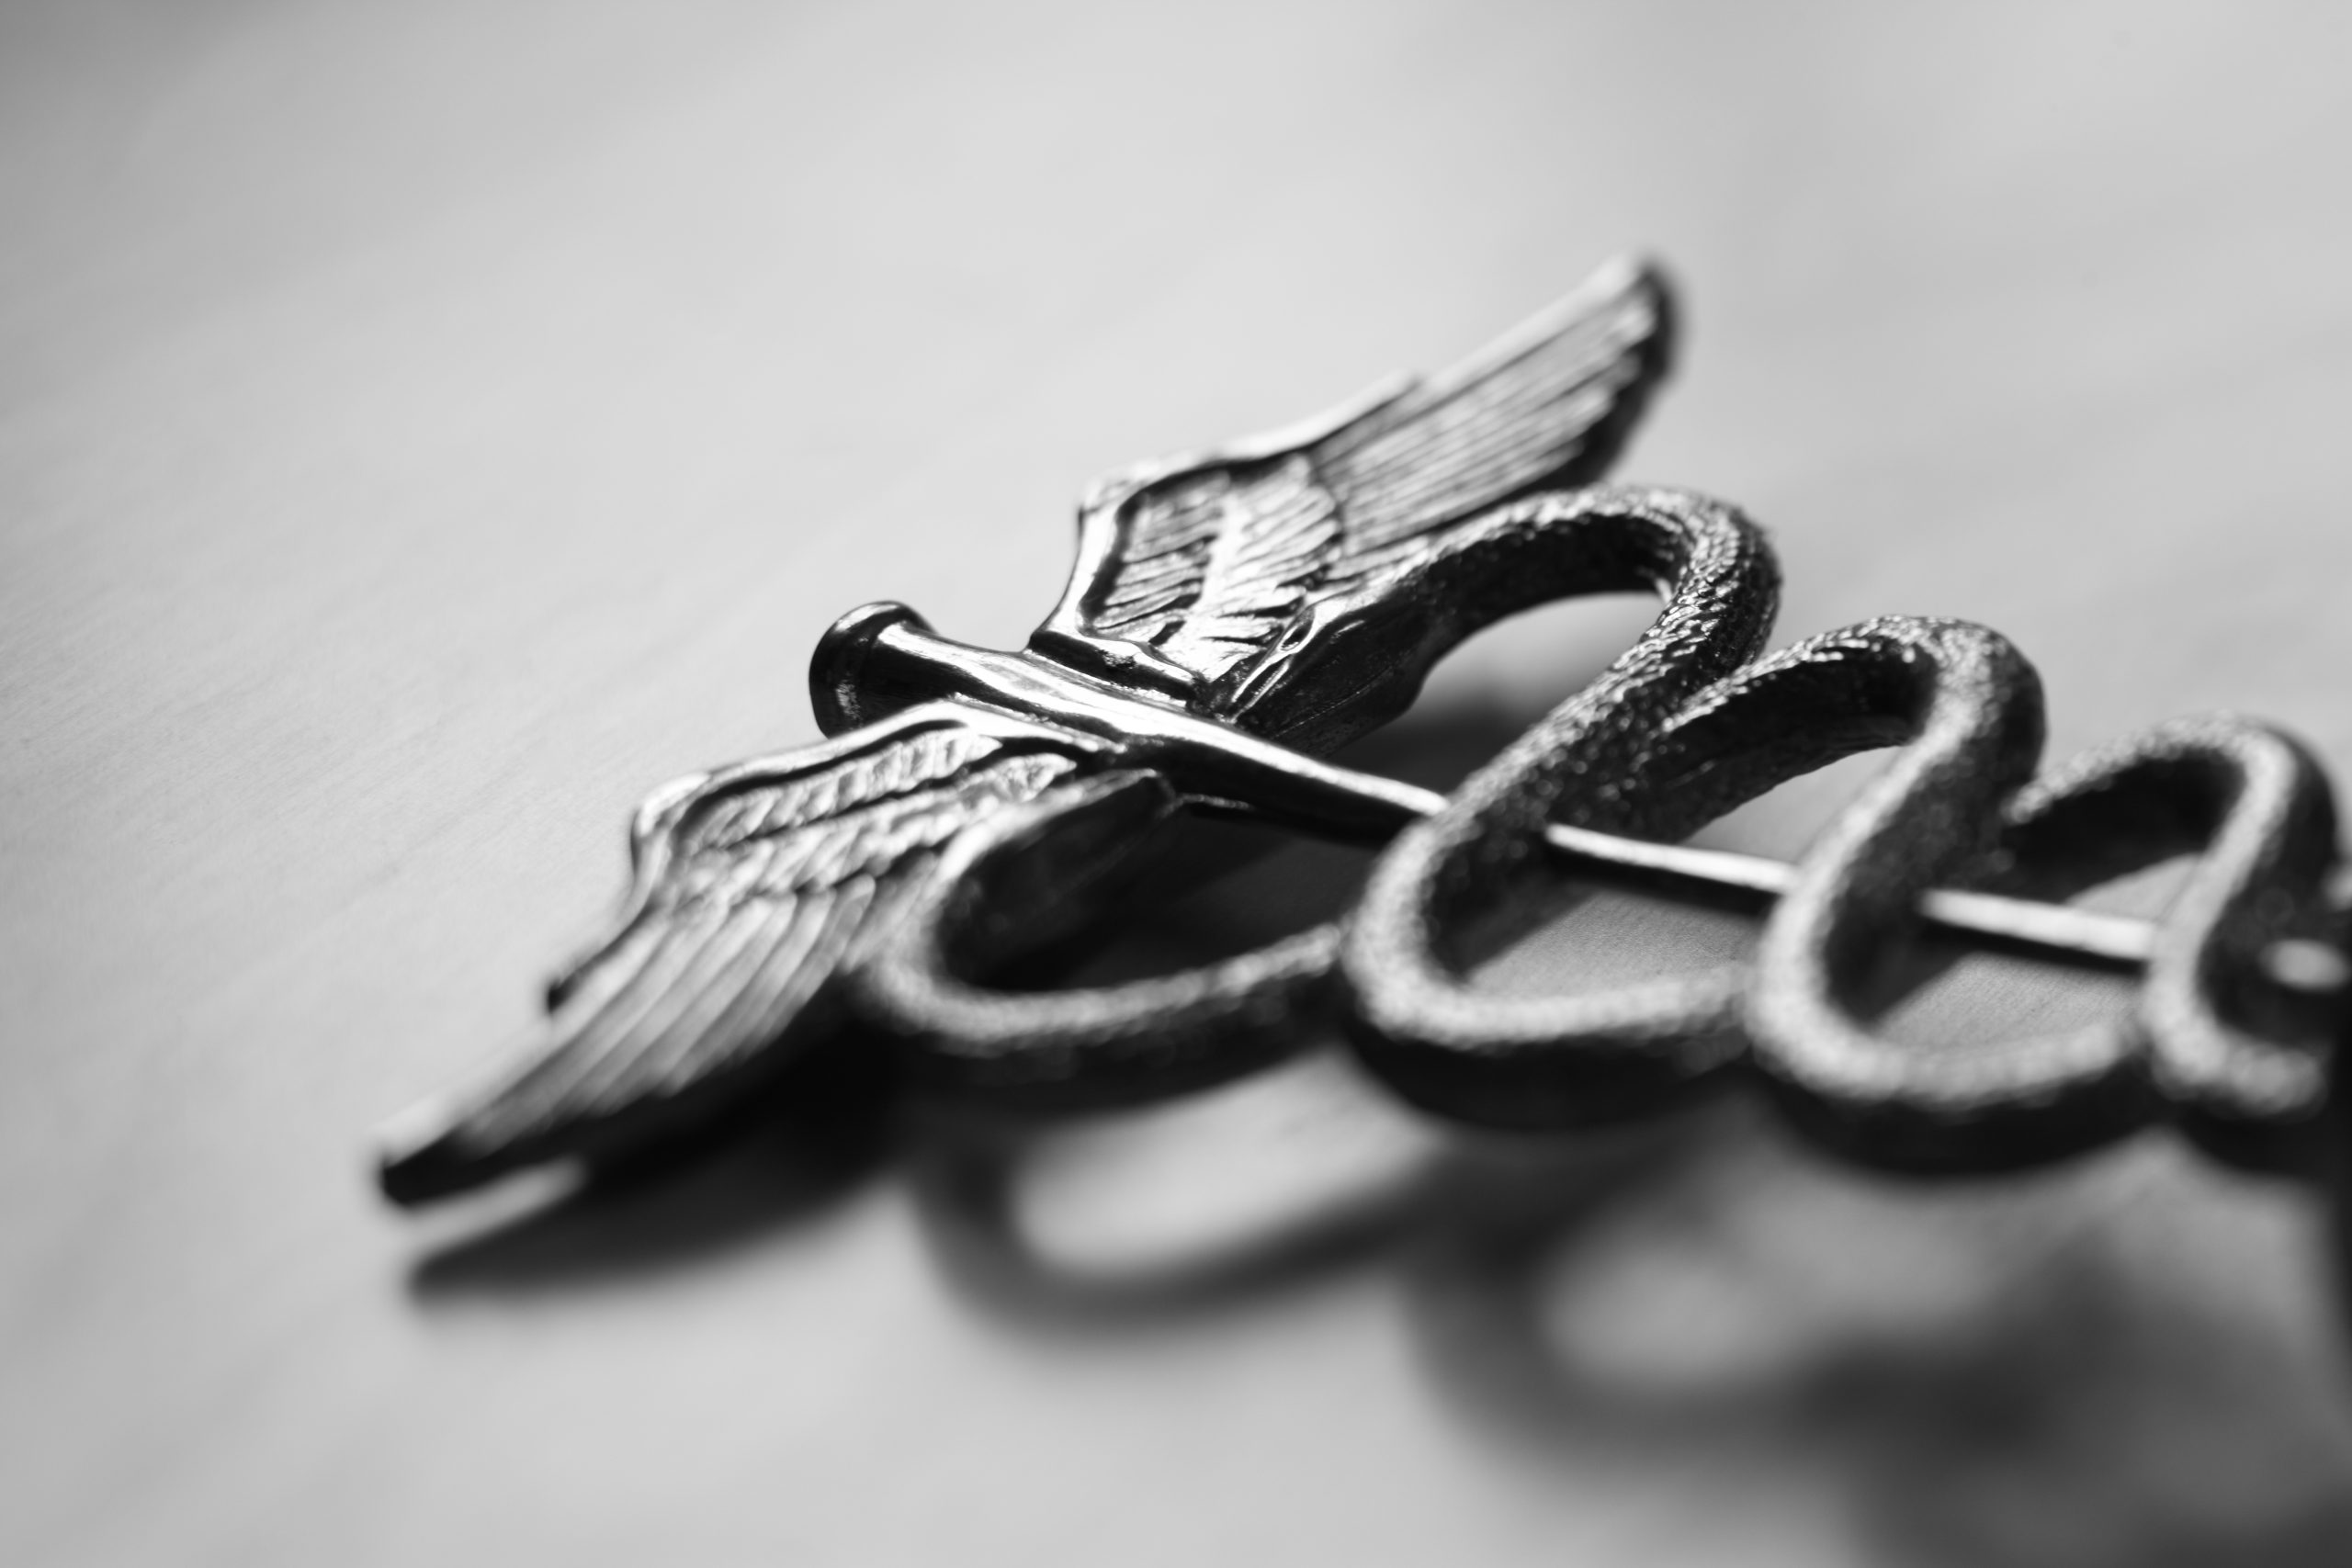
[{"x": 1685, "y": 725}]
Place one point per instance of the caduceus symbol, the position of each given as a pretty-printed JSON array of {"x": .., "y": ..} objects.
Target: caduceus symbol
[{"x": 1235, "y": 616}]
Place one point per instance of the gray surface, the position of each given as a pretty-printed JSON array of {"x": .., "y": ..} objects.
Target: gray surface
[{"x": 354, "y": 355}]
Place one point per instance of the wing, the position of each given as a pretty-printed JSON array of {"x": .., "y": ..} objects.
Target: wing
[
  {"x": 754, "y": 888},
  {"x": 1191, "y": 573}
]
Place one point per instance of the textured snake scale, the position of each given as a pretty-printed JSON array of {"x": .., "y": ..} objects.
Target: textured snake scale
[{"x": 1685, "y": 725}]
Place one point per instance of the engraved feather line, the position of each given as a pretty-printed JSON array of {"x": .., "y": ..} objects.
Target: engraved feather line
[
  {"x": 1207, "y": 564},
  {"x": 753, "y": 891}
]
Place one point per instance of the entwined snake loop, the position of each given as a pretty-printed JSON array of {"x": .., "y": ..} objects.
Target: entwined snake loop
[
  {"x": 1688, "y": 724},
  {"x": 1145, "y": 1040}
]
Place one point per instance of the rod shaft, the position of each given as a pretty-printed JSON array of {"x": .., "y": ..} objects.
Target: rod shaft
[
  {"x": 1241, "y": 774},
  {"x": 2085, "y": 938}
]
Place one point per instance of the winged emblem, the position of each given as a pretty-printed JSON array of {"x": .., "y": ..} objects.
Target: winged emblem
[{"x": 1288, "y": 589}]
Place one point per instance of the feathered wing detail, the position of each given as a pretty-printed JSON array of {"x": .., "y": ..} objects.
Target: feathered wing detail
[
  {"x": 1242, "y": 582},
  {"x": 755, "y": 886},
  {"x": 1217, "y": 564},
  {"x": 1191, "y": 572}
]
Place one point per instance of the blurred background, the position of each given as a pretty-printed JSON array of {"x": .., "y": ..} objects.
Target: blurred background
[{"x": 425, "y": 428}]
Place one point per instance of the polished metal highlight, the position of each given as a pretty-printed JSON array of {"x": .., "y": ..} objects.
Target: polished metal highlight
[{"x": 1234, "y": 615}]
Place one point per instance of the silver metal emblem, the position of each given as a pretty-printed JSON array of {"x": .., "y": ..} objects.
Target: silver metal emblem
[{"x": 1235, "y": 615}]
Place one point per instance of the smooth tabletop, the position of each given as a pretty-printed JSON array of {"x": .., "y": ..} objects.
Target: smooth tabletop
[{"x": 425, "y": 428}]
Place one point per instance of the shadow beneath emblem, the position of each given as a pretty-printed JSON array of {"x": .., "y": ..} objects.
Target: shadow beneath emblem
[
  {"x": 964, "y": 1183},
  {"x": 2119, "y": 1362},
  {"x": 2122, "y": 1361},
  {"x": 2131, "y": 1360},
  {"x": 1258, "y": 1244}
]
